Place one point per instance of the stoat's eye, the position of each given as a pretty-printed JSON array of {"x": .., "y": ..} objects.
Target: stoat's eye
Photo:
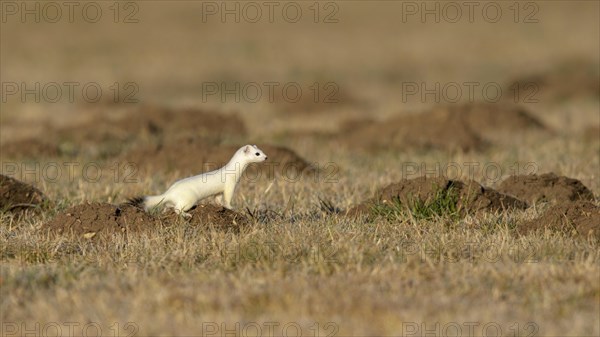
[{"x": 257, "y": 154}]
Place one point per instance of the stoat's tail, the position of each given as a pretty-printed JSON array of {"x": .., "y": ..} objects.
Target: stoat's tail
[{"x": 147, "y": 202}]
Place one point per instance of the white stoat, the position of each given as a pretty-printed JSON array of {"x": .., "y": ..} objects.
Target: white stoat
[{"x": 185, "y": 193}]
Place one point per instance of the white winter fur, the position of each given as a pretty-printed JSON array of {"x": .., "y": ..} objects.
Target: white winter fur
[{"x": 185, "y": 193}]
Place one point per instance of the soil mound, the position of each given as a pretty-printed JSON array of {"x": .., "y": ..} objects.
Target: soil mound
[
  {"x": 94, "y": 219},
  {"x": 592, "y": 133},
  {"x": 194, "y": 156},
  {"x": 29, "y": 148},
  {"x": 284, "y": 161},
  {"x": 579, "y": 217},
  {"x": 567, "y": 80},
  {"x": 331, "y": 100},
  {"x": 496, "y": 117},
  {"x": 107, "y": 133},
  {"x": 449, "y": 127},
  {"x": 214, "y": 216},
  {"x": 188, "y": 121},
  {"x": 18, "y": 196},
  {"x": 466, "y": 197},
  {"x": 545, "y": 187},
  {"x": 90, "y": 219}
]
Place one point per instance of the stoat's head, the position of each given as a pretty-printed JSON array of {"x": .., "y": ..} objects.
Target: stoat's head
[{"x": 253, "y": 154}]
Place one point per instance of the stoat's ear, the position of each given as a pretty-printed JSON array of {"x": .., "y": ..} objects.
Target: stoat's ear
[
  {"x": 247, "y": 149},
  {"x": 255, "y": 146}
]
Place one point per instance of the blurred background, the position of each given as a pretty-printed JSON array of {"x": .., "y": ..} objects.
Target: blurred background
[{"x": 290, "y": 71}]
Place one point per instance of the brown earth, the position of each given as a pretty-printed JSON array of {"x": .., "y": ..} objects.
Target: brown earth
[
  {"x": 580, "y": 217},
  {"x": 168, "y": 122},
  {"x": 18, "y": 196},
  {"x": 91, "y": 220},
  {"x": 592, "y": 133},
  {"x": 471, "y": 197},
  {"x": 106, "y": 132},
  {"x": 217, "y": 217},
  {"x": 545, "y": 187},
  {"x": 330, "y": 99},
  {"x": 567, "y": 80},
  {"x": 29, "y": 148},
  {"x": 463, "y": 127},
  {"x": 196, "y": 155}
]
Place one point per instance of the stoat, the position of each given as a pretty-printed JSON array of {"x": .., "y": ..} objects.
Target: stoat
[{"x": 187, "y": 192}]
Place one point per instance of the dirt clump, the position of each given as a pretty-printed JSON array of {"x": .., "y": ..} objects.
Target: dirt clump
[
  {"x": 122, "y": 125},
  {"x": 564, "y": 81},
  {"x": 91, "y": 220},
  {"x": 580, "y": 218},
  {"x": 463, "y": 197},
  {"x": 489, "y": 118},
  {"x": 182, "y": 122},
  {"x": 283, "y": 161},
  {"x": 195, "y": 155},
  {"x": 545, "y": 187},
  {"x": 423, "y": 131},
  {"x": 463, "y": 127},
  {"x": 331, "y": 100},
  {"x": 106, "y": 133},
  {"x": 18, "y": 196},
  {"x": 350, "y": 125},
  {"x": 29, "y": 148},
  {"x": 592, "y": 133},
  {"x": 213, "y": 216}
]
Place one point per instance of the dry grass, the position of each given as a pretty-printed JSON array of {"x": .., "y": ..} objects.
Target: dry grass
[
  {"x": 368, "y": 278},
  {"x": 306, "y": 268}
]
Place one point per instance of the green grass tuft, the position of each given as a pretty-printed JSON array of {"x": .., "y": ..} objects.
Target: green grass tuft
[{"x": 442, "y": 205}]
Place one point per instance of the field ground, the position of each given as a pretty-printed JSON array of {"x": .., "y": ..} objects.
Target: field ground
[{"x": 294, "y": 265}]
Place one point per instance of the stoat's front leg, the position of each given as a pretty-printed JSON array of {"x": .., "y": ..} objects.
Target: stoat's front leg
[{"x": 228, "y": 193}]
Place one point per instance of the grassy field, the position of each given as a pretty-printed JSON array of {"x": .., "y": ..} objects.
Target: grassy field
[{"x": 301, "y": 270}]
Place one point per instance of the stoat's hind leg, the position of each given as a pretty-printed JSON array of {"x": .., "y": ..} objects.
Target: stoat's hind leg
[
  {"x": 181, "y": 208},
  {"x": 183, "y": 213},
  {"x": 219, "y": 199}
]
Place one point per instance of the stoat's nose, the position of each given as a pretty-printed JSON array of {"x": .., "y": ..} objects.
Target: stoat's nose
[{"x": 266, "y": 157}]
